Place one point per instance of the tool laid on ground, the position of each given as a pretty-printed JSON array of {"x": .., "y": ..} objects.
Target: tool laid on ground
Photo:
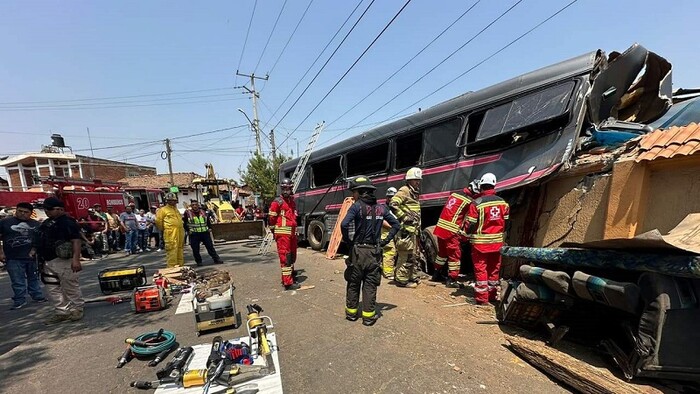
[
  {"x": 214, "y": 308},
  {"x": 251, "y": 388},
  {"x": 152, "y": 344},
  {"x": 148, "y": 299},
  {"x": 257, "y": 330},
  {"x": 112, "y": 299},
  {"x": 121, "y": 279}
]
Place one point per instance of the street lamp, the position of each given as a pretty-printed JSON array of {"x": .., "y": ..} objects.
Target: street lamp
[{"x": 255, "y": 130}]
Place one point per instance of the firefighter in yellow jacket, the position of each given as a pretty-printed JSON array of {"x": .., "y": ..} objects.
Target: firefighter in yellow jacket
[
  {"x": 389, "y": 252},
  {"x": 405, "y": 206},
  {"x": 169, "y": 222}
]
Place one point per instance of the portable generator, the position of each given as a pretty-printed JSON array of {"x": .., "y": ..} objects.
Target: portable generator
[
  {"x": 148, "y": 299},
  {"x": 121, "y": 279},
  {"x": 216, "y": 311}
]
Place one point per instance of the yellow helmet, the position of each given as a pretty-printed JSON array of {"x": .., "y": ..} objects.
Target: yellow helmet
[{"x": 414, "y": 173}]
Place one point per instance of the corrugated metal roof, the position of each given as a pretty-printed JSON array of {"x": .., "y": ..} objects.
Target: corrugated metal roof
[{"x": 673, "y": 142}]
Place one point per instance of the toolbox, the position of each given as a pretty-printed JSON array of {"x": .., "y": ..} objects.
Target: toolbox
[
  {"x": 217, "y": 311},
  {"x": 148, "y": 299},
  {"x": 121, "y": 279}
]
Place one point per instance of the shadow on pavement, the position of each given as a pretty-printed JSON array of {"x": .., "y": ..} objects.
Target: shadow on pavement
[{"x": 22, "y": 362}]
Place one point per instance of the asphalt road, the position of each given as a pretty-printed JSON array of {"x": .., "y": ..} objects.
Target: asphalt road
[{"x": 418, "y": 346}]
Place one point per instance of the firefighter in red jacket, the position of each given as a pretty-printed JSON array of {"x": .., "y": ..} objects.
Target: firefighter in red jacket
[
  {"x": 283, "y": 223},
  {"x": 487, "y": 222},
  {"x": 450, "y": 235}
]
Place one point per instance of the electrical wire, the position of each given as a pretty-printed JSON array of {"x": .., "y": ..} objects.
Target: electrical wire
[
  {"x": 120, "y": 102},
  {"x": 113, "y": 97},
  {"x": 325, "y": 64},
  {"x": 118, "y": 106},
  {"x": 290, "y": 37},
  {"x": 362, "y": 100},
  {"x": 245, "y": 42},
  {"x": 314, "y": 63},
  {"x": 270, "y": 36},
  {"x": 472, "y": 38},
  {"x": 352, "y": 66}
]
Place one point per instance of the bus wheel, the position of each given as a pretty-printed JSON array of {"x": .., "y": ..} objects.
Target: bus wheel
[
  {"x": 316, "y": 235},
  {"x": 428, "y": 249}
]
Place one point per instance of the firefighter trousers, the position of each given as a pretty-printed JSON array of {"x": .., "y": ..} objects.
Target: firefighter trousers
[
  {"x": 287, "y": 251},
  {"x": 389, "y": 259},
  {"x": 174, "y": 243},
  {"x": 203, "y": 238},
  {"x": 406, "y": 263},
  {"x": 363, "y": 274},
  {"x": 486, "y": 272},
  {"x": 450, "y": 253}
]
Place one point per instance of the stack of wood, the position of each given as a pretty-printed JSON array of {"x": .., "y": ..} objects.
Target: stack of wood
[
  {"x": 213, "y": 278},
  {"x": 178, "y": 275}
]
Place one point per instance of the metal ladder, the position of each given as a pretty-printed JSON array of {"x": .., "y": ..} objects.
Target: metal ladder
[{"x": 296, "y": 179}]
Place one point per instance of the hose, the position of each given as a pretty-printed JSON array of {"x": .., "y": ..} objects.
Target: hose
[{"x": 144, "y": 344}]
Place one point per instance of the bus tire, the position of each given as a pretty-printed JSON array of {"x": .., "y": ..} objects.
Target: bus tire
[
  {"x": 429, "y": 249},
  {"x": 316, "y": 235}
]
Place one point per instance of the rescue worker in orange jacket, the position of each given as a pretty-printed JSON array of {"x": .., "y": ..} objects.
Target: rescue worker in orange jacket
[
  {"x": 487, "y": 222},
  {"x": 450, "y": 235},
  {"x": 283, "y": 224}
]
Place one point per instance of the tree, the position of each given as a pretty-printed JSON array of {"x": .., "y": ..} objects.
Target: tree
[{"x": 261, "y": 174}]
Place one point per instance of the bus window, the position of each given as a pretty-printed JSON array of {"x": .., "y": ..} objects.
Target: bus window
[
  {"x": 369, "y": 160},
  {"x": 439, "y": 140},
  {"x": 304, "y": 182},
  {"x": 525, "y": 111},
  {"x": 408, "y": 150},
  {"x": 326, "y": 172}
]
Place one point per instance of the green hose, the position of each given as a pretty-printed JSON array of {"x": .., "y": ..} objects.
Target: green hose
[{"x": 167, "y": 342}]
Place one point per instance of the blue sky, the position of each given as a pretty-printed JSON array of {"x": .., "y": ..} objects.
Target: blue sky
[{"x": 52, "y": 52}]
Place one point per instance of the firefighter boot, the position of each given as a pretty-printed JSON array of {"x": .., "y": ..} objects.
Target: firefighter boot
[
  {"x": 293, "y": 286},
  {"x": 369, "y": 321},
  {"x": 452, "y": 284},
  {"x": 437, "y": 276},
  {"x": 351, "y": 317}
]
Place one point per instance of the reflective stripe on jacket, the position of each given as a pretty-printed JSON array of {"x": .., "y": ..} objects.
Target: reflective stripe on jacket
[
  {"x": 197, "y": 223},
  {"x": 283, "y": 216},
  {"x": 487, "y": 221},
  {"x": 406, "y": 207},
  {"x": 452, "y": 216}
]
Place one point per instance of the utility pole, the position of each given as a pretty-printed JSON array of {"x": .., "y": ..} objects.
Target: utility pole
[
  {"x": 169, "y": 153},
  {"x": 92, "y": 154},
  {"x": 272, "y": 144},
  {"x": 256, "y": 96}
]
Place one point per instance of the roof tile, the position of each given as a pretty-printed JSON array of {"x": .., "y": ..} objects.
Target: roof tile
[{"x": 674, "y": 142}]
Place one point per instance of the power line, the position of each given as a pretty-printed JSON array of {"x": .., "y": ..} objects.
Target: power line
[
  {"x": 314, "y": 63},
  {"x": 114, "y": 97},
  {"x": 269, "y": 37},
  {"x": 250, "y": 23},
  {"x": 494, "y": 54},
  {"x": 123, "y": 102},
  {"x": 406, "y": 64},
  {"x": 118, "y": 106},
  {"x": 441, "y": 62},
  {"x": 325, "y": 64},
  {"x": 351, "y": 67},
  {"x": 290, "y": 37}
]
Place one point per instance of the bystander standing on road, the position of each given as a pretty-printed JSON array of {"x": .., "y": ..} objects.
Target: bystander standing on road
[
  {"x": 153, "y": 231},
  {"x": 113, "y": 229},
  {"x": 142, "y": 222},
  {"x": 57, "y": 243},
  {"x": 198, "y": 226},
  {"x": 103, "y": 236},
  {"x": 128, "y": 220},
  {"x": 17, "y": 234}
]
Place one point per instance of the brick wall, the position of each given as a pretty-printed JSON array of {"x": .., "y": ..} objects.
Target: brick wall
[{"x": 106, "y": 170}]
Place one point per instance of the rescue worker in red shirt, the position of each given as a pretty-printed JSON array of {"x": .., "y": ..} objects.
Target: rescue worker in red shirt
[
  {"x": 487, "y": 223},
  {"x": 450, "y": 236},
  {"x": 283, "y": 223}
]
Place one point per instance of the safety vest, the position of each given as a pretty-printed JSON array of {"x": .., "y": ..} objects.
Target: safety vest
[
  {"x": 406, "y": 207},
  {"x": 197, "y": 223},
  {"x": 283, "y": 216},
  {"x": 452, "y": 216},
  {"x": 487, "y": 218}
]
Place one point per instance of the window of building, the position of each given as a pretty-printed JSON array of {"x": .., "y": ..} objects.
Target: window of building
[
  {"x": 408, "y": 151},
  {"x": 369, "y": 160},
  {"x": 440, "y": 141},
  {"x": 326, "y": 172}
]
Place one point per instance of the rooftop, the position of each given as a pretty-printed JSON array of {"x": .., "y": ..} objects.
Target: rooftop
[
  {"x": 673, "y": 142},
  {"x": 161, "y": 181}
]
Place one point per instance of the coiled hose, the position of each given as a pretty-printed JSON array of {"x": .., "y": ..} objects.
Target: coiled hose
[{"x": 145, "y": 345}]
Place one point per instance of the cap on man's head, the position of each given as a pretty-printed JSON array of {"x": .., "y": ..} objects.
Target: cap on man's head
[
  {"x": 53, "y": 202},
  {"x": 97, "y": 205}
]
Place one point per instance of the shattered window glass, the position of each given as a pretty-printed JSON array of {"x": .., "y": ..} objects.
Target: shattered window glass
[
  {"x": 525, "y": 111},
  {"x": 439, "y": 140},
  {"x": 368, "y": 161},
  {"x": 326, "y": 171}
]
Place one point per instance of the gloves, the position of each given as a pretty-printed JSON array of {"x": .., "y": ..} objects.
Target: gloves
[{"x": 383, "y": 243}]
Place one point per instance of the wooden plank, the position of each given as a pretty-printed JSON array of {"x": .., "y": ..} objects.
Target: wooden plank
[
  {"x": 336, "y": 236},
  {"x": 575, "y": 373}
]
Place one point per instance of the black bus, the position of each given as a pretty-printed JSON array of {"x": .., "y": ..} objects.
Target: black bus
[{"x": 522, "y": 130}]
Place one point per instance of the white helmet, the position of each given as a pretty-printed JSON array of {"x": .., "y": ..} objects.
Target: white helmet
[
  {"x": 414, "y": 173},
  {"x": 488, "y": 179},
  {"x": 391, "y": 191}
]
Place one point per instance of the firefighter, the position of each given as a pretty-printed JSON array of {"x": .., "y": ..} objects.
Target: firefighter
[
  {"x": 283, "y": 223},
  {"x": 363, "y": 266},
  {"x": 406, "y": 207},
  {"x": 487, "y": 221},
  {"x": 169, "y": 222},
  {"x": 389, "y": 253},
  {"x": 198, "y": 226},
  {"x": 450, "y": 236}
]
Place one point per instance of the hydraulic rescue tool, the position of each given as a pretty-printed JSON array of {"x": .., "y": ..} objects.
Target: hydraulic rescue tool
[
  {"x": 257, "y": 330},
  {"x": 171, "y": 373}
]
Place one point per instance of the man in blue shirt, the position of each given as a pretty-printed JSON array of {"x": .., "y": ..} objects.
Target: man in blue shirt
[
  {"x": 17, "y": 233},
  {"x": 129, "y": 220},
  {"x": 364, "y": 271}
]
